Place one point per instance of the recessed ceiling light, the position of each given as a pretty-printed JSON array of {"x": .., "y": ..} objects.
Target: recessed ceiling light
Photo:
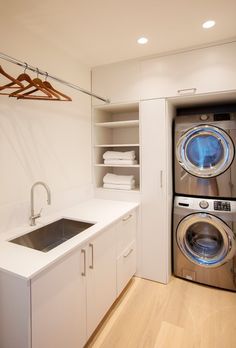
[
  {"x": 142, "y": 40},
  {"x": 208, "y": 24}
]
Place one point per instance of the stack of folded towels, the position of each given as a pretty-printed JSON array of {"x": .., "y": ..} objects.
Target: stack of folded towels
[
  {"x": 115, "y": 157},
  {"x": 119, "y": 182}
]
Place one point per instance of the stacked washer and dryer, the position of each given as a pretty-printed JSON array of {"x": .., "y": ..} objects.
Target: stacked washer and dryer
[{"x": 204, "y": 214}]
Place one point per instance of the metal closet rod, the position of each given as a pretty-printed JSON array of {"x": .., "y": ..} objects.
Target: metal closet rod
[{"x": 44, "y": 73}]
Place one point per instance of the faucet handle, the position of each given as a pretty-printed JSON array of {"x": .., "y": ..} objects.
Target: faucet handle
[
  {"x": 39, "y": 214},
  {"x": 36, "y": 216}
]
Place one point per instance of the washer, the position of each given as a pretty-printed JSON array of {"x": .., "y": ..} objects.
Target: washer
[
  {"x": 205, "y": 163},
  {"x": 204, "y": 241}
]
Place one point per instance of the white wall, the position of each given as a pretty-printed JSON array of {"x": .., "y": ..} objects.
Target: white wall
[{"x": 43, "y": 140}]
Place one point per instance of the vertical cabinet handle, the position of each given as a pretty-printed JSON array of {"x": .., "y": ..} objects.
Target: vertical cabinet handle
[
  {"x": 83, "y": 251},
  {"x": 161, "y": 177},
  {"x": 91, "y": 246}
]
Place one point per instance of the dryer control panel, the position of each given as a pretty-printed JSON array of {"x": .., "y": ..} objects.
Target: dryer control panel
[{"x": 223, "y": 206}]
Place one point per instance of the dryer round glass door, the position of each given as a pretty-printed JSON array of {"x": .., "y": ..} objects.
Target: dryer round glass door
[
  {"x": 205, "y": 151},
  {"x": 205, "y": 240}
]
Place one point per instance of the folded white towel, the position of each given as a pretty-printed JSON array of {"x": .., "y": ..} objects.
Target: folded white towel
[
  {"x": 119, "y": 155},
  {"x": 120, "y": 161},
  {"x": 110, "y": 178},
  {"x": 119, "y": 187}
]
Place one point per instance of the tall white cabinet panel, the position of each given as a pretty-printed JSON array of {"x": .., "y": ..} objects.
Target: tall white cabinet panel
[
  {"x": 155, "y": 209},
  {"x": 204, "y": 70},
  {"x": 119, "y": 82},
  {"x": 59, "y": 305},
  {"x": 101, "y": 277},
  {"x": 14, "y": 312}
]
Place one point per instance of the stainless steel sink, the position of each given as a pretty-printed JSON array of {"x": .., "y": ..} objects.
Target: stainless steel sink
[{"x": 48, "y": 237}]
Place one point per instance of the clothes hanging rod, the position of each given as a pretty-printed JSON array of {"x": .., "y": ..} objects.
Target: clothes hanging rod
[{"x": 44, "y": 73}]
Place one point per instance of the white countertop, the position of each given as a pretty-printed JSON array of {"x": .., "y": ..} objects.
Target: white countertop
[{"x": 26, "y": 262}]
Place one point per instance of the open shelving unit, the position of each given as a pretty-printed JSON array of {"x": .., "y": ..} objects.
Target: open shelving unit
[
  {"x": 118, "y": 124},
  {"x": 116, "y": 128}
]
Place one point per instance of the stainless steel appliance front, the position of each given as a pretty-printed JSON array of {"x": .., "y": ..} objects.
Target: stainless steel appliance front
[
  {"x": 205, "y": 162},
  {"x": 204, "y": 241}
]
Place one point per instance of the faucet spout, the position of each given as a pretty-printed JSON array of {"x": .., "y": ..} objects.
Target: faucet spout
[{"x": 34, "y": 216}]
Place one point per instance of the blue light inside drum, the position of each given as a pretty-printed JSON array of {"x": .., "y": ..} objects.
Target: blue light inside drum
[
  {"x": 206, "y": 262},
  {"x": 205, "y": 151}
]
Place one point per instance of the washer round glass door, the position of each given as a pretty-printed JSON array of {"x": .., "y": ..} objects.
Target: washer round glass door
[
  {"x": 205, "y": 151},
  {"x": 205, "y": 240}
]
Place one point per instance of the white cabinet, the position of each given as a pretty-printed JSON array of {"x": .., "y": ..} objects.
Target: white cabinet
[
  {"x": 116, "y": 128},
  {"x": 119, "y": 82},
  {"x": 126, "y": 266},
  {"x": 126, "y": 251},
  {"x": 58, "y": 300},
  {"x": 198, "y": 71},
  {"x": 100, "y": 276},
  {"x": 70, "y": 299},
  {"x": 155, "y": 210},
  {"x": 62, "y": 305},
  {"x": 15, "y": 325}
]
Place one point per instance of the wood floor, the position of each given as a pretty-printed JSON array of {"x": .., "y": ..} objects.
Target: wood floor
[{"x": 178, "y": 315}]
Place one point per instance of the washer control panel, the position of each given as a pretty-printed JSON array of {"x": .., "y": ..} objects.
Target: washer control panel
[{"x": 223, "y": 206}]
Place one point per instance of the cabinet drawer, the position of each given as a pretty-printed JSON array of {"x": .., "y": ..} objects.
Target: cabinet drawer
[
  {"x": 211, "y": 69},
  {"x": 127, "y": 232},
  {"x": 126, "y": 266}
]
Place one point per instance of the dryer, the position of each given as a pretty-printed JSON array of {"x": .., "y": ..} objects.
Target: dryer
[
  {"x": 205, "y": 163},
  {"x": 204, "y": 241}
]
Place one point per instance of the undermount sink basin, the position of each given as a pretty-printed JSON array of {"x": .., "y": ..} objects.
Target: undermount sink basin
[{"x": 50, "y": 236}]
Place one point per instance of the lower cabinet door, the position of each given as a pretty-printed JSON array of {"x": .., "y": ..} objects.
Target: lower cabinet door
[
  {"x": 126, "y": 266},
  {"x": 101, "y": 277},
  {"x": 58, "y": 299}
]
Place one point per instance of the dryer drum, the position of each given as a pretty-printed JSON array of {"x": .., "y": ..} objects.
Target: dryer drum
[
  {"x": 205, "y": 240},
  {"x": 205, "y": 151}
]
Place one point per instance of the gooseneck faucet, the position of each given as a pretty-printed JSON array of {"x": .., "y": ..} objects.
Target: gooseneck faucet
[{"x": 34, "y": 216}]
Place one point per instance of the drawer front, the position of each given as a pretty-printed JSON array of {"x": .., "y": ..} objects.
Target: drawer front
[
  {"x": 126, "y": 266},
  {"x": 126, "y": 232},
  {"x": 211, "y": 69}
]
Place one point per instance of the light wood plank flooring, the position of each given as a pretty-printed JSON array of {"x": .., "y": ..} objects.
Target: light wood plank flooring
[{"x": 178, "y": 315}]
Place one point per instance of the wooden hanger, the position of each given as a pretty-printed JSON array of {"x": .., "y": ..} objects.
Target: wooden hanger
[
  {"x": 33, "y": 85},
  {"x": 40, "y": 86},
  {"x": 52, "y": 89},
  {"x": 47, "y": 85},
  {"x": 15, "y": 83},
  {"x": 36, "y": 84}
]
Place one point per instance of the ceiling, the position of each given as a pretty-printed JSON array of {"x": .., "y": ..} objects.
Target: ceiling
[{"x": 104, "y": 31}]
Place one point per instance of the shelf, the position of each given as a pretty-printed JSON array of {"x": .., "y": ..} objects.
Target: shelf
[
  {"x": 137, "y": 189},
  {"x": 118, "y": 124},
  {"x": 116, "y": 145},
  {"x": 118, "y": 165},
  {"x": 116, "y": 128}
]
